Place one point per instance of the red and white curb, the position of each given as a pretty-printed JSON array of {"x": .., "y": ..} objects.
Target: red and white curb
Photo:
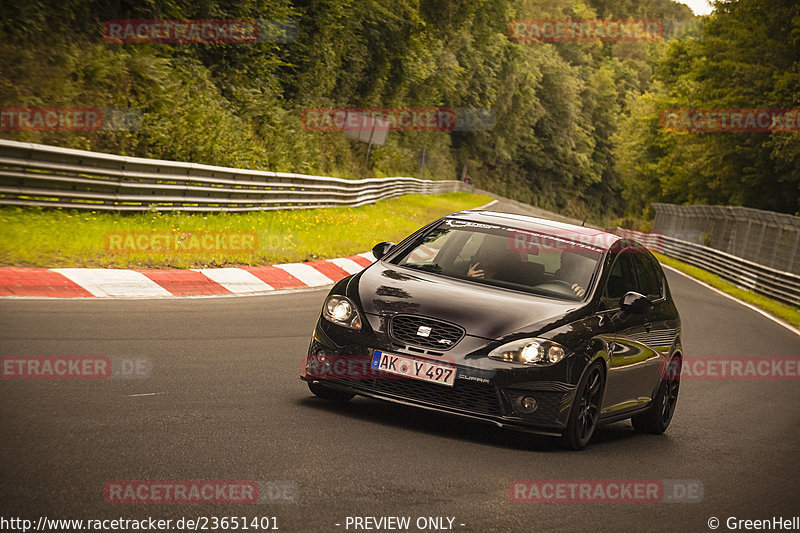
[{"x": 117, "y": 283}]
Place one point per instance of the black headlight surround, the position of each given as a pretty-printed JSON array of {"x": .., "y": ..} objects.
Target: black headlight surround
[{"x": 530, "y": 352}]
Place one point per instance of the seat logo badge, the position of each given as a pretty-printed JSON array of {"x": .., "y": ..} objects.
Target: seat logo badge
[{"x": 424, "y": 331}]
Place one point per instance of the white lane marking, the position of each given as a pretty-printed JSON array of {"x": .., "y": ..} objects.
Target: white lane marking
[
  {"x": 145, "y": 394},
  {"x": 735, "y": 299},
  {"x": 369, "y": 256},
  {"x": 484, "y": 206},
  {"x": 102, "y": 282},
  {"x": 236, "y": 280},
  {"x": 305, "y": 273},
  {"x": 348, "y": 265}
]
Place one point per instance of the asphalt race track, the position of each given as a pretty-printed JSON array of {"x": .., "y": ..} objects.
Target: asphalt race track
[{"x": 224, "y": 402}]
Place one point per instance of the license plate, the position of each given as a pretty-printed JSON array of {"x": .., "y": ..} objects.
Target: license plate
[{"x": 414, "y": 368}]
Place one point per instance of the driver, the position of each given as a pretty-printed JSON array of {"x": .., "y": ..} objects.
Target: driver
[
  {"x": 573, "y": 272},
  {"x": 492, "y": 259}
]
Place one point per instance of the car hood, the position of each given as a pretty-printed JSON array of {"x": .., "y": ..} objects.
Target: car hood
[{"x": 487, "y": 312}]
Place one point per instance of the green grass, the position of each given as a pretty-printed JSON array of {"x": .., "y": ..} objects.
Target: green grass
[
  {"x": 33, "y": 237},
  {"x": 784, "y": 312}
]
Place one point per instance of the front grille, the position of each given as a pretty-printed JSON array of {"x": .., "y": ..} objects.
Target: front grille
[
  {"x": 464, "y": 395},
  {"x": 442, "y": 336}
]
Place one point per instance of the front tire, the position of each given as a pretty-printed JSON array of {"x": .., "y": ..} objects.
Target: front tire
[
  {"x": 585, "y": 409},
  {"x": 327, "y": 393},
  {"x": 656, "y": 420}
]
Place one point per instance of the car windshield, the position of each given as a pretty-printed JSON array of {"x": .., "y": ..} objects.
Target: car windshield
[{"x": 553, "y": 265}]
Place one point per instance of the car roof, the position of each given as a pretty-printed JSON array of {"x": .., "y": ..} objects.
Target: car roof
[{"x": 598, "y": 237}]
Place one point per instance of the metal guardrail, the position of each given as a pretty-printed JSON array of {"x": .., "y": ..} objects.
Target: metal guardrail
[
  {"x": 36, "y": 174},
  {"x": 775, "y": 284},
  {"x": 764, "y": 237}
]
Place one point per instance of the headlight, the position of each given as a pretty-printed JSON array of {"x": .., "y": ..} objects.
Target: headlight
[
  {"x": 341, "y": 311},
  {"x": 530, "y": 352}
]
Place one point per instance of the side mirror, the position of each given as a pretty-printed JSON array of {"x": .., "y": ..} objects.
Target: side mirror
[
  {"x": 381, "y": 249},
  {"x": 635, "y": 303}
]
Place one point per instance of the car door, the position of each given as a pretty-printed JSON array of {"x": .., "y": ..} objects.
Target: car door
[
  {"x": 632, "y": 360},
  {"x": 661, "y": 326}
]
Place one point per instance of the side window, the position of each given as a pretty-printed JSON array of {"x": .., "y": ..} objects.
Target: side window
[
  {"x": 649, "y": 275},
  {"x": 621, "y": 280}
]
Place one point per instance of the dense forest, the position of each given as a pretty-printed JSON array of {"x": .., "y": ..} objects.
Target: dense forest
[{"x": 576, "y": 125}]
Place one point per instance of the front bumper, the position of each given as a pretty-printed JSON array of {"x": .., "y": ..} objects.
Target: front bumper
[{"x": 477, "y": 393}]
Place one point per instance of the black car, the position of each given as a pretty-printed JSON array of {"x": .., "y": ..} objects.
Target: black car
[{"x": 526, "y": 323}]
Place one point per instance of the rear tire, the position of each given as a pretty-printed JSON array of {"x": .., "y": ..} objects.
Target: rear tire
[
  {"x": 656, "y": 420},
  {"x": 327, "y": 393},
  {"x": 585, "y": 409}
]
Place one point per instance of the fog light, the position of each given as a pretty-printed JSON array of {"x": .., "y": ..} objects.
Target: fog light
[
  {"x": 317, "y": 363},
  {"x": 527, "y": 404}
]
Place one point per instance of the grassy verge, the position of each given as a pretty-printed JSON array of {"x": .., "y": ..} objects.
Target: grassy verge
[
  {"x": 782, "y": 311},
  {"x": 33, "y": 237}
]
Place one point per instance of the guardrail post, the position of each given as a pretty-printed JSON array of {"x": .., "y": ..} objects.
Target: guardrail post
[
  {"x": 760, "y": 240},
  {"x": 791, "y": 265},
  {"x": 775, "y": 247}
]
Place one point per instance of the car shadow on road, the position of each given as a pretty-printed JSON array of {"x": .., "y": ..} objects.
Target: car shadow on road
[{"x": 448, "y": 426}]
